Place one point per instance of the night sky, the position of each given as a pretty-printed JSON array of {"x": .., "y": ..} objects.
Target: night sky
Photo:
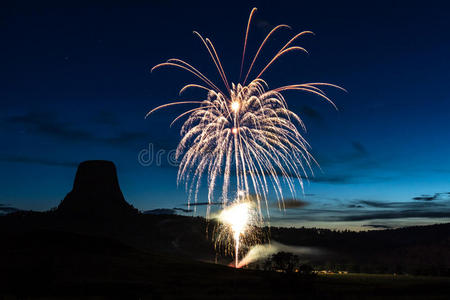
[{"x": 76, "y": 85}]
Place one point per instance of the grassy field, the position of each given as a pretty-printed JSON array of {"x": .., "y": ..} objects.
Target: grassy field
[
  {"x": 62, "y": 265},
  {"x": 146, "y": 276},
  {"x": 382, "y": 286}
]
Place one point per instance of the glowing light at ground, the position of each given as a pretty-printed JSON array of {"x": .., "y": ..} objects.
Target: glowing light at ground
[{"x": 237, "y": 217}]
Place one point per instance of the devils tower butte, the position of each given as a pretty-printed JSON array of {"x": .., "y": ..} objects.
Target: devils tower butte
[{"x": 96, "y": 192}]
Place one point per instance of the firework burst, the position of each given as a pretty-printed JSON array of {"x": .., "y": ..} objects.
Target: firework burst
[{"x": 244, "y": 139}]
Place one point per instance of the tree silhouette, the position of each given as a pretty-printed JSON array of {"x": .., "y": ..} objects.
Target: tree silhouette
[{"x": 285, "y": 261}]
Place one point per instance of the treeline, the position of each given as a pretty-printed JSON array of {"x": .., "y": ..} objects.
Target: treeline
[{"x": 420, "y": 250}]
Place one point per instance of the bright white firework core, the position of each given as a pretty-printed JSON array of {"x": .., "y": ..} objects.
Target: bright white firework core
[
  {"x": 235, "y": 106},
  {"x": 234, "y": 130},
  {"x": 237, "y": 217}
]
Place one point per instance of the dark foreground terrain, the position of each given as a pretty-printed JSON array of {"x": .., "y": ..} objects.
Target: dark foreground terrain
[
  {"x": 48, "y": 257},
  {"x": 61, "y": 265}
]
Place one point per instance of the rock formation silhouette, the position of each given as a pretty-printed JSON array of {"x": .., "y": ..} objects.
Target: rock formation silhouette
[{"x": 96, "y": 193}]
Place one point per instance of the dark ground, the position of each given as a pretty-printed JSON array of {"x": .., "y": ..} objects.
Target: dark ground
[
  {"x": 57, "y": 265},
  {"x": 154, "y": 257}
]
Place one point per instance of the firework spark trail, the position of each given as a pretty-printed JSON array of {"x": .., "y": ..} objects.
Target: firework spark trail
[{"x": 249, "y": 129}]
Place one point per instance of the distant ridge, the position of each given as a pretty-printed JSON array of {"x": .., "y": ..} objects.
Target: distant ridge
[{"x": 96, "y": 192}]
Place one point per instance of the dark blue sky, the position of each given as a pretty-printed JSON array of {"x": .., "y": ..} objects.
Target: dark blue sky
[{"x": 75, "y": 85}]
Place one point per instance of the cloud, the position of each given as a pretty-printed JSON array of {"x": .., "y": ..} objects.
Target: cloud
[
  {"x": 395, "y": 215},
  {"x": 346, "y": 179},
  {"x": 183, "y": 210},
  {"x": 359, "y": 148},
  {"x": 375, "y": 203},
  {"x": 436, "y": 196},
  {"x": 166, "y": 211},
  {"x": 354, "y": 206},
  {"x": 36, "y": 160},
  {"x": 106, "y": 118},
  {"x": 358, "y": 153},
  {"x": 334, "y": 179},
  {"x": 319, "y": 215},
  {"x": 6, "y": 209},
  {"x": 203, "y": 203},
  {"x": 124, "y": 138},
  {"x": 311, "y": 113},
  {"x": 377, "y": 226},
  {"x": 292, "y": 203},
  {"x": 49, "y": 125},
  {"x": 45, "y": 123},
  {"x": 399, "y": 205},
  {"x": 358, "y": 158},
  {"x": 360, "y": 210},
  {"x": 425, "y": 198}
]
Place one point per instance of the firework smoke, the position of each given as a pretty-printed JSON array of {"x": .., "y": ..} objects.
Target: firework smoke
[{"x": 261, "y": 252}]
